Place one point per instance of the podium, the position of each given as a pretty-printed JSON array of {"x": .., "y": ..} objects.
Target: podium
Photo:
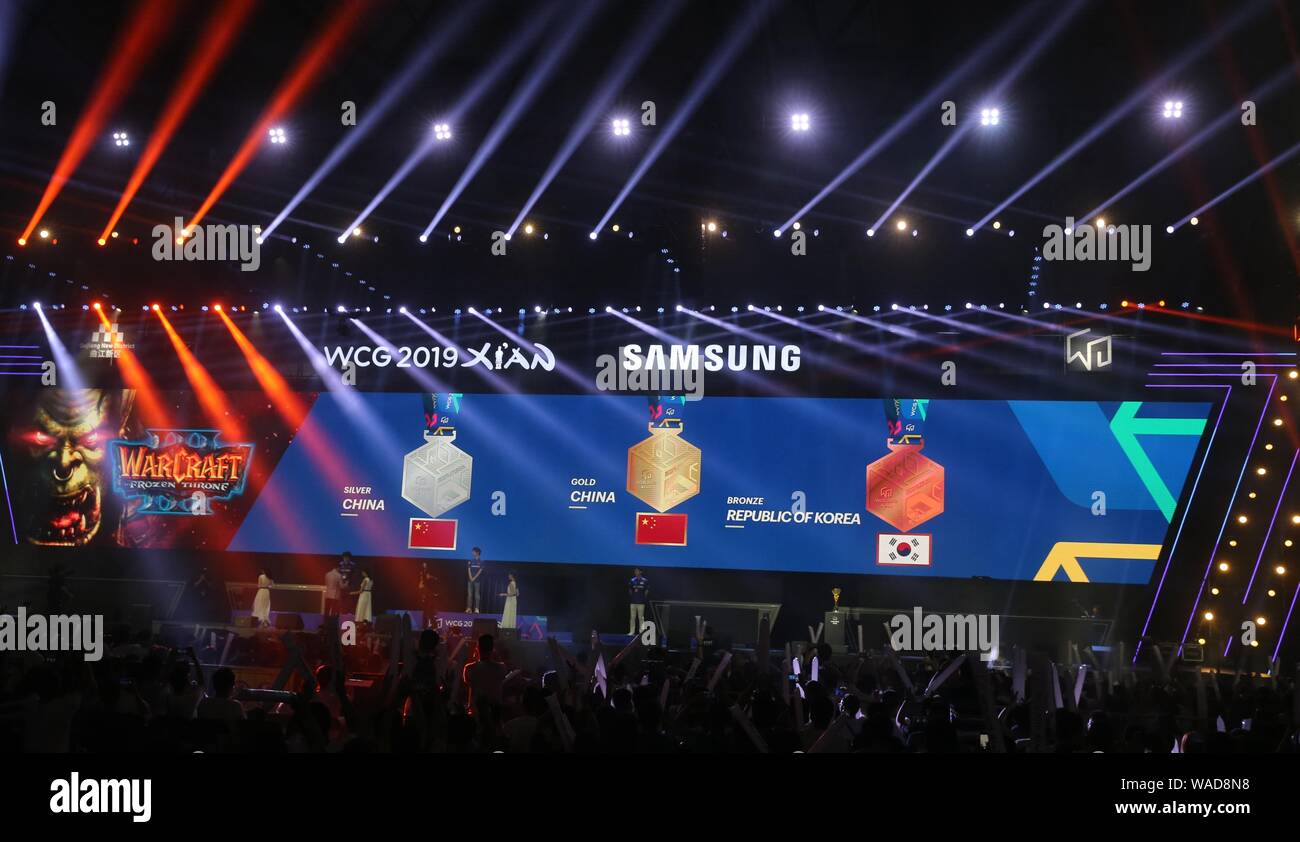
[{"x": 738, "y": 621}]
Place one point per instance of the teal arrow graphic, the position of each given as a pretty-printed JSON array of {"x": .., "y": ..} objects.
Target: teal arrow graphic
[{"x": 1126, "y": 427}]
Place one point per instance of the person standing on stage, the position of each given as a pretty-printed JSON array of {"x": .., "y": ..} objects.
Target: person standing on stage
[
  {"x": 638, "y": 589},
  {"x": 333, "y": 591},
  {"x": 424, "y": 588},
  {"x": 346, "y": 566},
  {"x": 473, "y": 585},
  {"x": 509, "y": 614},
  {"x": 262, "y": 601},
  {"x": 365, "y": 609}
]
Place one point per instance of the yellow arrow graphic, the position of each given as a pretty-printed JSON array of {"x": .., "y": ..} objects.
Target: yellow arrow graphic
[{"x": 1065, "y": 556}]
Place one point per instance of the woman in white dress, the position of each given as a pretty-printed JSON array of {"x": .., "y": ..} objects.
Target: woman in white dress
[
  {"x": 365, "y": 609},
  {"x": 508, "y": 614},
  {"x": 262, "y": 600}
]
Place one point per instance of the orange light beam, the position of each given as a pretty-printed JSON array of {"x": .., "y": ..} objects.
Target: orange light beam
[
  {"x": 287, "y": 404},
  {"x": 155, "y": 415},
  {"x": 284, "y": 399},
  {"x": 291, "y": 89},
  {"x": 143, "y": 31},
  {"x": 217, "y": 405},
  {"x": 1254, "y": 327},
  {"x": 219, "y": 33},
  {"x": 209, "y": 393}
]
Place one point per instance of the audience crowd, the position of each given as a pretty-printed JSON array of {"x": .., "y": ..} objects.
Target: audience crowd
[{"x": 306, "y": 693}]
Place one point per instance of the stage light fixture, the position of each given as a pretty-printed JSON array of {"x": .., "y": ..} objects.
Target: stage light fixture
[
  {"x": 591, "y": 235},
  {"x": 1169, "y": 229},
  {"x": 1173, "y": 109},
  {"x": 800, "y": 122},
  {"x": 1263, "y": 621},
  {"x": 528, "y": 229},
  {"x": 997, "y": 226},
  {"x": 970, "y": 232},
  {"x": 277, "y": 136},
  {"x": 871, "y": 232},
  {"x": 712, "y": 226},
  {"x": 1272, "y": 592},
  {"x": 1223, "y": 567},
  {"x": 97, "y": 306},
  {"x": 1280, "y": 570},
  {"x": 989, "y": 116},
  {"x": 45, "y": 233},
  {"x": 622, "y": 127},
  {"x": 121, "y": 139},
  {"x": 1194, "y": 221},
  {"x": 1209, "y": 615},
  {"x": 901, "y": 225},
  {"x": 1214, "y": 591},
  {"x": 442, "y": 131}
]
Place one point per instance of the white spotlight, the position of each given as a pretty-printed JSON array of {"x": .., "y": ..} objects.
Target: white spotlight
[
  {"x": 277, "y": 136},
  {"x": 441, "y": 131},
  {"x": 989, "y": 116},
  {"x": 121, "y": 139},
  {"x": 970, "y": 232},
  {"x": 622, "y": 127},
  {"x": 799, "y": 122},
  {"x": 1173, "y": 109}
]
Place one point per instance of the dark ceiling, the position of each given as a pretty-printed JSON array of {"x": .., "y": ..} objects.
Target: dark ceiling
[{"x": 856, "y": 67}]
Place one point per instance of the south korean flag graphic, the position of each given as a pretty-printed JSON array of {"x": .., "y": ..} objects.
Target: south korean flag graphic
[{"x": 903, "y": 550}]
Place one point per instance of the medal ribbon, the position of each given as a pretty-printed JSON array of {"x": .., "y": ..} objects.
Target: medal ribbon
[
  {"x": 441, "y": 410},
  {"x": 905, "y": 420}
]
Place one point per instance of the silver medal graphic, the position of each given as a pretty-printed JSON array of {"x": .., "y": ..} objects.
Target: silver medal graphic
[{"x": 436, "y": 475}]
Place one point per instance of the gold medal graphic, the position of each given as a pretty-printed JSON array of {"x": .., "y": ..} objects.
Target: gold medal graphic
[{"x": 663, "y": 471}]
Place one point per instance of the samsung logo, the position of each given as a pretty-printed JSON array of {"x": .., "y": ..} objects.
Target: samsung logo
[{"x": 709, "y": 357}]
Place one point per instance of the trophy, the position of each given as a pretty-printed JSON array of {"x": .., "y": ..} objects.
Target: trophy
[{"x": 835, "y": 596}]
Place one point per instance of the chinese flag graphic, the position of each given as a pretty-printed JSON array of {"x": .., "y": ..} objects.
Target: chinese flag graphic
[
  {"x": 661, "y": 530},
  {"x": 432, "y": 534}
]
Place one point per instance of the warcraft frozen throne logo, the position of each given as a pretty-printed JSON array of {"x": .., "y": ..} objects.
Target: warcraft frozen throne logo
[{"x": 179, "y": 472}]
